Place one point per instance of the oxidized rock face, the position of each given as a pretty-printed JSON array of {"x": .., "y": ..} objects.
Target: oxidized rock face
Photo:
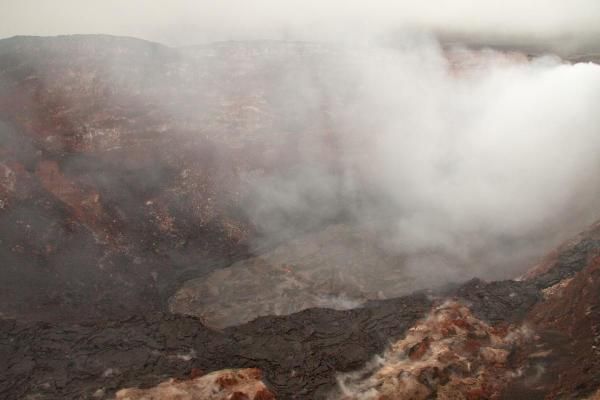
[
  {"x": 563, "y": 360},
  {"x": 229, "y": 384},
  {"x": 449, "y": 355},
  {"x": 571, "y": 312}
]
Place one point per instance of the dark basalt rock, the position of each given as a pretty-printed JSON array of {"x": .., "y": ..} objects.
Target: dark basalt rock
[
  {"x": 569, "y": 262},
  {"x": 502, "y": 301},
  {"x": 300, "y": 353}
]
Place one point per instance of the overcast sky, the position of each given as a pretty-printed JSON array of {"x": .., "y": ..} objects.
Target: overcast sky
[{"x": 183, "y": 22}]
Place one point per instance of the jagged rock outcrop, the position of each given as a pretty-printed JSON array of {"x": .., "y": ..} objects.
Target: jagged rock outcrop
[
  {"x": 450, "y": 354},
  {"x": 547, "y": 350},
  {"x": 242, "y": 384}
]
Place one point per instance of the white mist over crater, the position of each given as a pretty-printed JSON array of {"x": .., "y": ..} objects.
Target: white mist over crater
[{"x": 441, "y": 164}]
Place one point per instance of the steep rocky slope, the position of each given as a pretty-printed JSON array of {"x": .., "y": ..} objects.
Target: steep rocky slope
[
  {"x": 128, "y": 168},
  {"x": 92, "y": 204}
]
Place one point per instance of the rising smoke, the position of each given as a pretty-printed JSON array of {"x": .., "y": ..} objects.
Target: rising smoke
[
  {"x": 470, "y": 162},
  {"x": 483, "y": 160}
]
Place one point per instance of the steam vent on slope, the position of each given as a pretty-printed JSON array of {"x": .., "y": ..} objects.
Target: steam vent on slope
[{"x": 298, "y": 220}]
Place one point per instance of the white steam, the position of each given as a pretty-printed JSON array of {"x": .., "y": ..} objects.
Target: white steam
[{"x": 460, "y": 158}]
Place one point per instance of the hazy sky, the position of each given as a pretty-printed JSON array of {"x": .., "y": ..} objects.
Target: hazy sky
[{"x": 182, "y": 22}]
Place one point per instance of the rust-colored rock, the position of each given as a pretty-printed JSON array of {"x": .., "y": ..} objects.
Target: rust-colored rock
[
  {"x": 229, "y": 384},
  {"x": 470, "y": 363},
  {"x": 418, "y": 350},
  {"x": 571, "y": 316},
  {"x": 196, "y": 373}
]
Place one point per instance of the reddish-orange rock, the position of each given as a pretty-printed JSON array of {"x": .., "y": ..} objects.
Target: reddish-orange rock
[
  {"x": 229, "y": 384},
  {"x": 470, "y": 363}
]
